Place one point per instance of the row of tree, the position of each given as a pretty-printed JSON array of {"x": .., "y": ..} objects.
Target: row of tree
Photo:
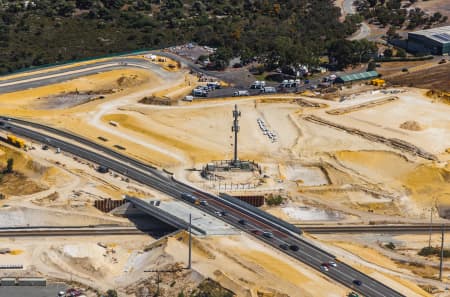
[{"x": 276, "y": 32}]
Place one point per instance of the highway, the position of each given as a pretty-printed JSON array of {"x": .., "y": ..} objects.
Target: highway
[
  {"x": 37, "y": 79},
  {"x": 255, "y": 224}
]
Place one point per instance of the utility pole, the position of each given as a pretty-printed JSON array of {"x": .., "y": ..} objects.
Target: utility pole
[
  {"x": 235, "y": 129},
  {"x": 442, "y": 252},
  {"x": 190, "y": 243},
  {"x": 431, "y": 226}
]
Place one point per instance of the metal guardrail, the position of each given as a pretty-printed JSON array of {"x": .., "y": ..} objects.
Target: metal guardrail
[{"x": 33, "y": 68}]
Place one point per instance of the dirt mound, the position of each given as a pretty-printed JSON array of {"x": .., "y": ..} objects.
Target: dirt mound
[
  {"x": 412, "y": 126},
  {"x": 441, "y": 96},
  {"x": 127, "y": 81}
]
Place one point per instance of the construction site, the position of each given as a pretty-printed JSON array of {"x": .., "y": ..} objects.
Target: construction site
[{"x": 369, "y": 154}]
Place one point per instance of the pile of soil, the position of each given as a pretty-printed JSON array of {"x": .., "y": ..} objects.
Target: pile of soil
[
  {"x": 128, "y": 81},
  {"x": 412, "y": 126}
]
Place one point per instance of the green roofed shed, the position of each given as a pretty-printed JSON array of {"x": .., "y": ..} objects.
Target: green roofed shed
[{"x": 348, "y": 78}]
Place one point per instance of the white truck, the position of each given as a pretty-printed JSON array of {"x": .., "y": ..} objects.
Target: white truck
[{"x": 241, "y": 93}]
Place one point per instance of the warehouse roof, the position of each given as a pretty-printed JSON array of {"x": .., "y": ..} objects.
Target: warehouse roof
[
  {"x": 358, "y": 76},
  {"x": 440, "y": 34}
]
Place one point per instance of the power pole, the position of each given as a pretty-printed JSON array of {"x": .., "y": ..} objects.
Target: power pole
[
  {"x": 190, "y": 243},
  {"x": 442, "y": 252},
  {"x": 431, "y": 226},
  {"x": 235, "y": 129}
]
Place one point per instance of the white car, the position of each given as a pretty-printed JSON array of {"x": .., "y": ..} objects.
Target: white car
[
  {"x": 332, "y": 263},
  {"x": 324, "y": 268}
]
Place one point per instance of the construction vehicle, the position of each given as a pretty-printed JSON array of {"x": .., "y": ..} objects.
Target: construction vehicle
[
  {"x": 378, "y": 82},
  {"x": 16, "y": 141}
]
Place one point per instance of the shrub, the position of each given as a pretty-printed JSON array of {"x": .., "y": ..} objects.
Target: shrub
[
  {"x": 274, "y": 200},
  {"x": 390, "y": 245}
]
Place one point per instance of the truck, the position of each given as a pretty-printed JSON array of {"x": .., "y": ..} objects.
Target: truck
[
  {"x": 188, "y": 98},
  {"x": 199, "y": 92},
  {"x": 241, "y": 93},
  {"x": 190, "y": 198},
  {"x": 268, "y": 90},
  {"x": 214, "y": 85},
  {"x": 258, "y": 84}
]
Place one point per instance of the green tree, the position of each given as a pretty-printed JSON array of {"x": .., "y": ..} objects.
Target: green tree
[
  {"x": 388, "y": 53},
  {"x": 111, "y": 293}
]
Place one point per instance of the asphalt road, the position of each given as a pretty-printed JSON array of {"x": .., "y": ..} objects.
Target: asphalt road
[
  {"x": 256, "y": 225},
  {"x": 51, "y": 290},
  {"x": 34, "y": 79}
]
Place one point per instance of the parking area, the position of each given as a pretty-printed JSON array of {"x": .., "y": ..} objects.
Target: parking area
[{"x": 51, "y": 290}]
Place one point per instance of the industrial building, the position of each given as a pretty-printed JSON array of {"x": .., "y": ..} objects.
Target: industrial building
[
  {"x": 349, "y": 78},
  {"x": 432, "y": 41}
]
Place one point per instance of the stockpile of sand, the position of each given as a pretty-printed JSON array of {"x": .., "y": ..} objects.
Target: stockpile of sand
[{"x": 412, "y": 126}]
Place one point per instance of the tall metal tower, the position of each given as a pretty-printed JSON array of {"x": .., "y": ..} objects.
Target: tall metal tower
[{"x": 235, "y": 129}]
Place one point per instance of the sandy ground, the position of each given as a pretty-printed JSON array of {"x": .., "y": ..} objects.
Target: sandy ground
[
  {"x": 325, "y": 175},
  {"x": 402, "y": 261}
]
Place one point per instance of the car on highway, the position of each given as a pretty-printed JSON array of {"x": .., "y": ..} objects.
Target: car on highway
[
  {"x": 332, "y": 263},
  {"x": 242, "y": 222},
  {"x": 294, "y": 247},
  {"x": 267, "y": 234},
  {"x": 324, "y": 267},
  {"x": 223, "y": 213},
  {"x": 204, "y": 203},
  {"x": 357, "y": 282},
  {"x": 284, "y": 246}
]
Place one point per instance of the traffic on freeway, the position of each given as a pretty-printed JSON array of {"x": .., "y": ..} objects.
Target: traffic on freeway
[{"x": 264, "y": 228}]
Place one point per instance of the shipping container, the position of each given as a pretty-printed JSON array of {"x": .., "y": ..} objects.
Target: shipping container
[
  {"x": 32, "y": 282},
  {"x": 8, "y": 281}
]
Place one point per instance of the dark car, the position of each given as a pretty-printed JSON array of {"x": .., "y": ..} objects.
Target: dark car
[
  {"x": 242, "y": 222},
  {"x": 223, "y": 213},
  {"x": 284, "y": 246},
  {"x": 45, "y": 147},
  {"x": 357, "y": 282},
  {"x": 294, "y": 247},
  {"x": 267, "y": 234}
]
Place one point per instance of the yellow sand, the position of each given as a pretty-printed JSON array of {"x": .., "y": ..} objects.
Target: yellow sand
[
  {"x": 368, "y": 254},
  {"x": 97, "y": 82},
  {"x": 382, "y": 164},
  {"x": 144, "y": 129},
  {"x": 428, "y": 183},
  {"x": 277, "y": 267}
]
